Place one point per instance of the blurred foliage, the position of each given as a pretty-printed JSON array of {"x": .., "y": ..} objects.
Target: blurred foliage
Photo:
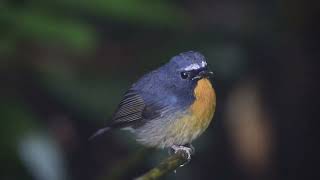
[
  {"x": 64, "y": 65},
  {"x": 19, "y": 121},
  {"x": 62, "y": 83},
  {"x": 63, "y": 22}
]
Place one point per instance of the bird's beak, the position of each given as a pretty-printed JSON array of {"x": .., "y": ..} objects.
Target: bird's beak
[{"x": 206, "y": 74}]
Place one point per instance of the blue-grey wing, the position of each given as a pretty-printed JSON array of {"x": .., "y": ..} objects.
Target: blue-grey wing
[
  {"x": 130, "y": 111},
  {"x": 135, "y": 109}
]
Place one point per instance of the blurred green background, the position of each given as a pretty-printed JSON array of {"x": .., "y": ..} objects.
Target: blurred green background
[{"x": 65, "y": 64}]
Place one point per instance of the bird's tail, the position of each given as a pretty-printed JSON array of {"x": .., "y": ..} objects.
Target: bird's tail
[{"x": 99, "y": 132}]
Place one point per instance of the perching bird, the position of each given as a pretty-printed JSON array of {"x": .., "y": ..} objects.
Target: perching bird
[{"x": 170, "y": 106}]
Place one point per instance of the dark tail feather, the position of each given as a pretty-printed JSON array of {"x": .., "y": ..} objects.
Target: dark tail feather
[{"x": 99, "y": 132}]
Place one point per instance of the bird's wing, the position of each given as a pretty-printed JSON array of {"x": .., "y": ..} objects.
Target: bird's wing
[{"x": 136, "y": 110}]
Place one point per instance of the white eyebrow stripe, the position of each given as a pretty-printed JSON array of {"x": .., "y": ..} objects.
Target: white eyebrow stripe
[
  {"x": 195, "y": 66},
  {"x": 192, "y": 67},
  {"x": 203, "y": 64}
]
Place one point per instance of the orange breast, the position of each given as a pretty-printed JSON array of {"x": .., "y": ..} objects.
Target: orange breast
[
  {"x": 204, "y": 106},
  {"x": 197, "y": 117}
]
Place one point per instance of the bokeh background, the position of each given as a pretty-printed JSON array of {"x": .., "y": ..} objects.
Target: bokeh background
[{"x": 65, "y": 64}]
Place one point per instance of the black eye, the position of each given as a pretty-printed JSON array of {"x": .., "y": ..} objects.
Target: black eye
[{"x": 184, "y": 75}]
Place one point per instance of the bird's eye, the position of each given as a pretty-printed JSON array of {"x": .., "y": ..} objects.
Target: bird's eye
[{"x": 184, "y": 75}]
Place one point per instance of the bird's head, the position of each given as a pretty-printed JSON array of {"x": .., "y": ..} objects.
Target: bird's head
[{"x": 182, "y": 72}]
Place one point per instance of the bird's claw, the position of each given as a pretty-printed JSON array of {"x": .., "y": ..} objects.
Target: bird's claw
[{"x": 188, "y": 151}]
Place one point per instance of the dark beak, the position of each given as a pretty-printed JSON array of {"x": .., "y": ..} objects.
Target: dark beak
[
  {"x": 203, "y": 74},
  {"x": 206, "y": 74}
]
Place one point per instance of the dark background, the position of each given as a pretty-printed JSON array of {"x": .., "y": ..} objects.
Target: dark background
[{"x": 65, "y": 64}]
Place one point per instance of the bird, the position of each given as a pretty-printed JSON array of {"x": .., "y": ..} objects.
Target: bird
[{"x": 170, "y": 106}]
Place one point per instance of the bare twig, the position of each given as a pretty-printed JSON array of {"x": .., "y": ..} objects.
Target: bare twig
[{"x": 166, "y": 166}]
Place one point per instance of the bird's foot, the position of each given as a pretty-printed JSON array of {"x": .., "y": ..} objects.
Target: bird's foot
[
  {"x": 193, "y": 150},
  {"x": 189, "y": 150}
]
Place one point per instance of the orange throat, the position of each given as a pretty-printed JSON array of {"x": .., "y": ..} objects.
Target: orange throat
[{"x": 204, "y": 105}]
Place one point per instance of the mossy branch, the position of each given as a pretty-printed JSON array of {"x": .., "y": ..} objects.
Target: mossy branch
[{"x": 166, "y": 166}]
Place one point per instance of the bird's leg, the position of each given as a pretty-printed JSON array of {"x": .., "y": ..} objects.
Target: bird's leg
[
  {"x": 189, "y": 145},
  {"x": 189, "y": 149}
]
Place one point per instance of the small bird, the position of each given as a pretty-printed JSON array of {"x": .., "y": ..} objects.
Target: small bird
[{"x": 170, "y": 106}]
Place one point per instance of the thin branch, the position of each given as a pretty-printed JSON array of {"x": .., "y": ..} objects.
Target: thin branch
[
  {"x": 122, "y": 168},
  {"x": 166, "y": 166}
]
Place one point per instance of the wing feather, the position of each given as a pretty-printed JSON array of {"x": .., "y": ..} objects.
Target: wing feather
[
  {"x": 130, "y": 108},
  {"x": 135, "y": 110}
]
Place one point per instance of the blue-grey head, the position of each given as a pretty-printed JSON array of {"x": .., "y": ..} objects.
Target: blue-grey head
[
  {"x": 180, "y": 75},
  {"x": 185, "y": 69}
]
